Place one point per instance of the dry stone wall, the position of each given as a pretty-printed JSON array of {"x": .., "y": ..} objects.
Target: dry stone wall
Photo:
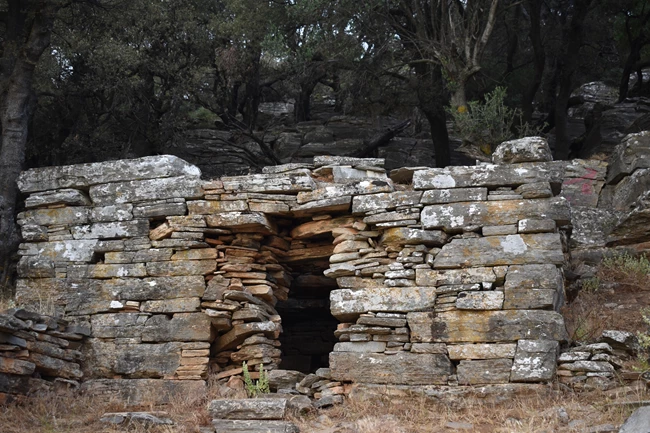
[
  {"x": 443, "y": 276},
  {"x": 38, "y": 352}
]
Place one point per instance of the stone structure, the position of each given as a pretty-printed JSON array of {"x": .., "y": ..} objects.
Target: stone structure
[
  {"x": 37, "y": 352},
  {"x": 437, "y": 276}
]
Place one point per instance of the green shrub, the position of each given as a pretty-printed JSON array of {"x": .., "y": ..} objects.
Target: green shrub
[
  {"x": 485, "y": 125},
  {"x": 258, "y": 387}
]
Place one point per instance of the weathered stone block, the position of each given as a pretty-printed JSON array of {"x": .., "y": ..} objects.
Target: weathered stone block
[
  {"x": 385, "y": 201},
  {"x": 61, "y": 251},
  {"x": 501, "y": 250},
  {"x": 535, "y": 361},
  {"x": 84, "y": 175},
  {"x": 117, "y": 270},
  {"x": 116, "y": 212},
  {"x": 181, "y": 327},
  {"x": 69, "y": 197},
  {"x": 111, "y": 230},
  {"x": 411, "y": 236},
  {"x": 369, "y": 186},
  {"x": 150, "y": 189},
  {"x": 106, "y": 359},
  {"x": 178, "y": 305},
  {"x": 35, "y": 267},
  {"x": 402, "y": 368},
  {"x": 486, "y": 326},
  {"x": 203, "y": 207},
  {"x": 632, "y": 153},
  {"x": 181, "y": 267},
  {"x": 531, "y": 225},
  {"x": 315, "y": 228},
  {"x": 270, "y": 183},
  {"x": 242, "y": 222},
  {"x": 259, "y": 408},
  {"x": 484, "y": 371},
  {"x": 481, "y": 351},
  {"x": 439, "y": 196},
  {"x": 54, "y": 217},
  {"x": 536, "y": 276},
  {"x": 492, "y": 300},
  {"x": 347, "y": 304},
  {"x": 250, "y": 426},
  {"x": 360, "y": 347},
  {"x": 488, "y": 175},
  {"x": 531, "y": 299},
  {"x": 527, "y": 149},
  {"x": 428, "y": 277},
  {"x": 453, "y": 217}
]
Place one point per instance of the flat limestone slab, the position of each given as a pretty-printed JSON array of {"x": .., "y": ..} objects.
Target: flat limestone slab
[
  {"x": 85, "y": 175},
  {"x": 539, "y": 248},
  {"x": 244, "y": 409},
  {"x": 253, "y": 426},
  {"x": 242, "y": 222},
  {"x": 488, "y": 175},
  {"x": 143, "y": 190},
  {"x": 486, "y": 326},
  {"x": 347, "y": 304},
  {"x": 369, "y": 186},
  {"x": 455, "y": 216},
  {"x": 282, "y": 183},
  {"x": 403, "y": 368}
]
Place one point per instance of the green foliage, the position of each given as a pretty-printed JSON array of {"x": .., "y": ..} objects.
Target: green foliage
[
  {"x": 258, "y": 387},
  {"x": 487, "y": 124},
  {"x": 591, "y": 284},
  {"x": 644, "y": 342}
]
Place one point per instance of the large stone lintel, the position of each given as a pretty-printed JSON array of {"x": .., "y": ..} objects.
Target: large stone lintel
[{"x": 84, "y": 175}]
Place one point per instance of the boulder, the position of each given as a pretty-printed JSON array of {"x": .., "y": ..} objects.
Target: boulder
[
  {"x": 528, "y": 149},
  {"x": 638, "y": 422}
]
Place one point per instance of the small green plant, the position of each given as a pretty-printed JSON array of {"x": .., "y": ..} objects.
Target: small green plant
[
  {"x": 626, "y": 269},
  {"x": 591, "y": 284},
  {"x": 258, "y": 387},
  {"x": 643, "y": 358},
  {"x": 484, "y": 125}
]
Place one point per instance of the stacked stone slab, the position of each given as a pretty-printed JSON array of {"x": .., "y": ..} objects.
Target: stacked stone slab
[
  {"x": 460, "y": 283},
  {"x": 36, "y": 352},
  {"x": 251, "y": 416},
  {"x": 177, "y": 277}
]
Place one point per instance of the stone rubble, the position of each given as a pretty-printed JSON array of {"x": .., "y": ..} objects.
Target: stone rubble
[{"x": 38, "y": 352}]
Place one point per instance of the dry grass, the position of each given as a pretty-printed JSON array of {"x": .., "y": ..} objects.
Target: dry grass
[
  {"x": 420, "y": 415},
  {"x": 69, "y": 412}
]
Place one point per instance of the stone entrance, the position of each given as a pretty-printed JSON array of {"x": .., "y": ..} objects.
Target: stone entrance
[{"x": 440, "y": 276}]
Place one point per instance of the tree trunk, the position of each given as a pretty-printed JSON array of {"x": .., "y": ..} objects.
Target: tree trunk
[
  {"x": 16, "y": 98},
  {"x": 633, "y": 57},
  {"x": 535, "y": 35},
  {"x": 302, "y": 107},
  {"x": 459, "y": 97},
  {"x": 431, "y": 97},
  {"x": 568, "y": 63}
]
